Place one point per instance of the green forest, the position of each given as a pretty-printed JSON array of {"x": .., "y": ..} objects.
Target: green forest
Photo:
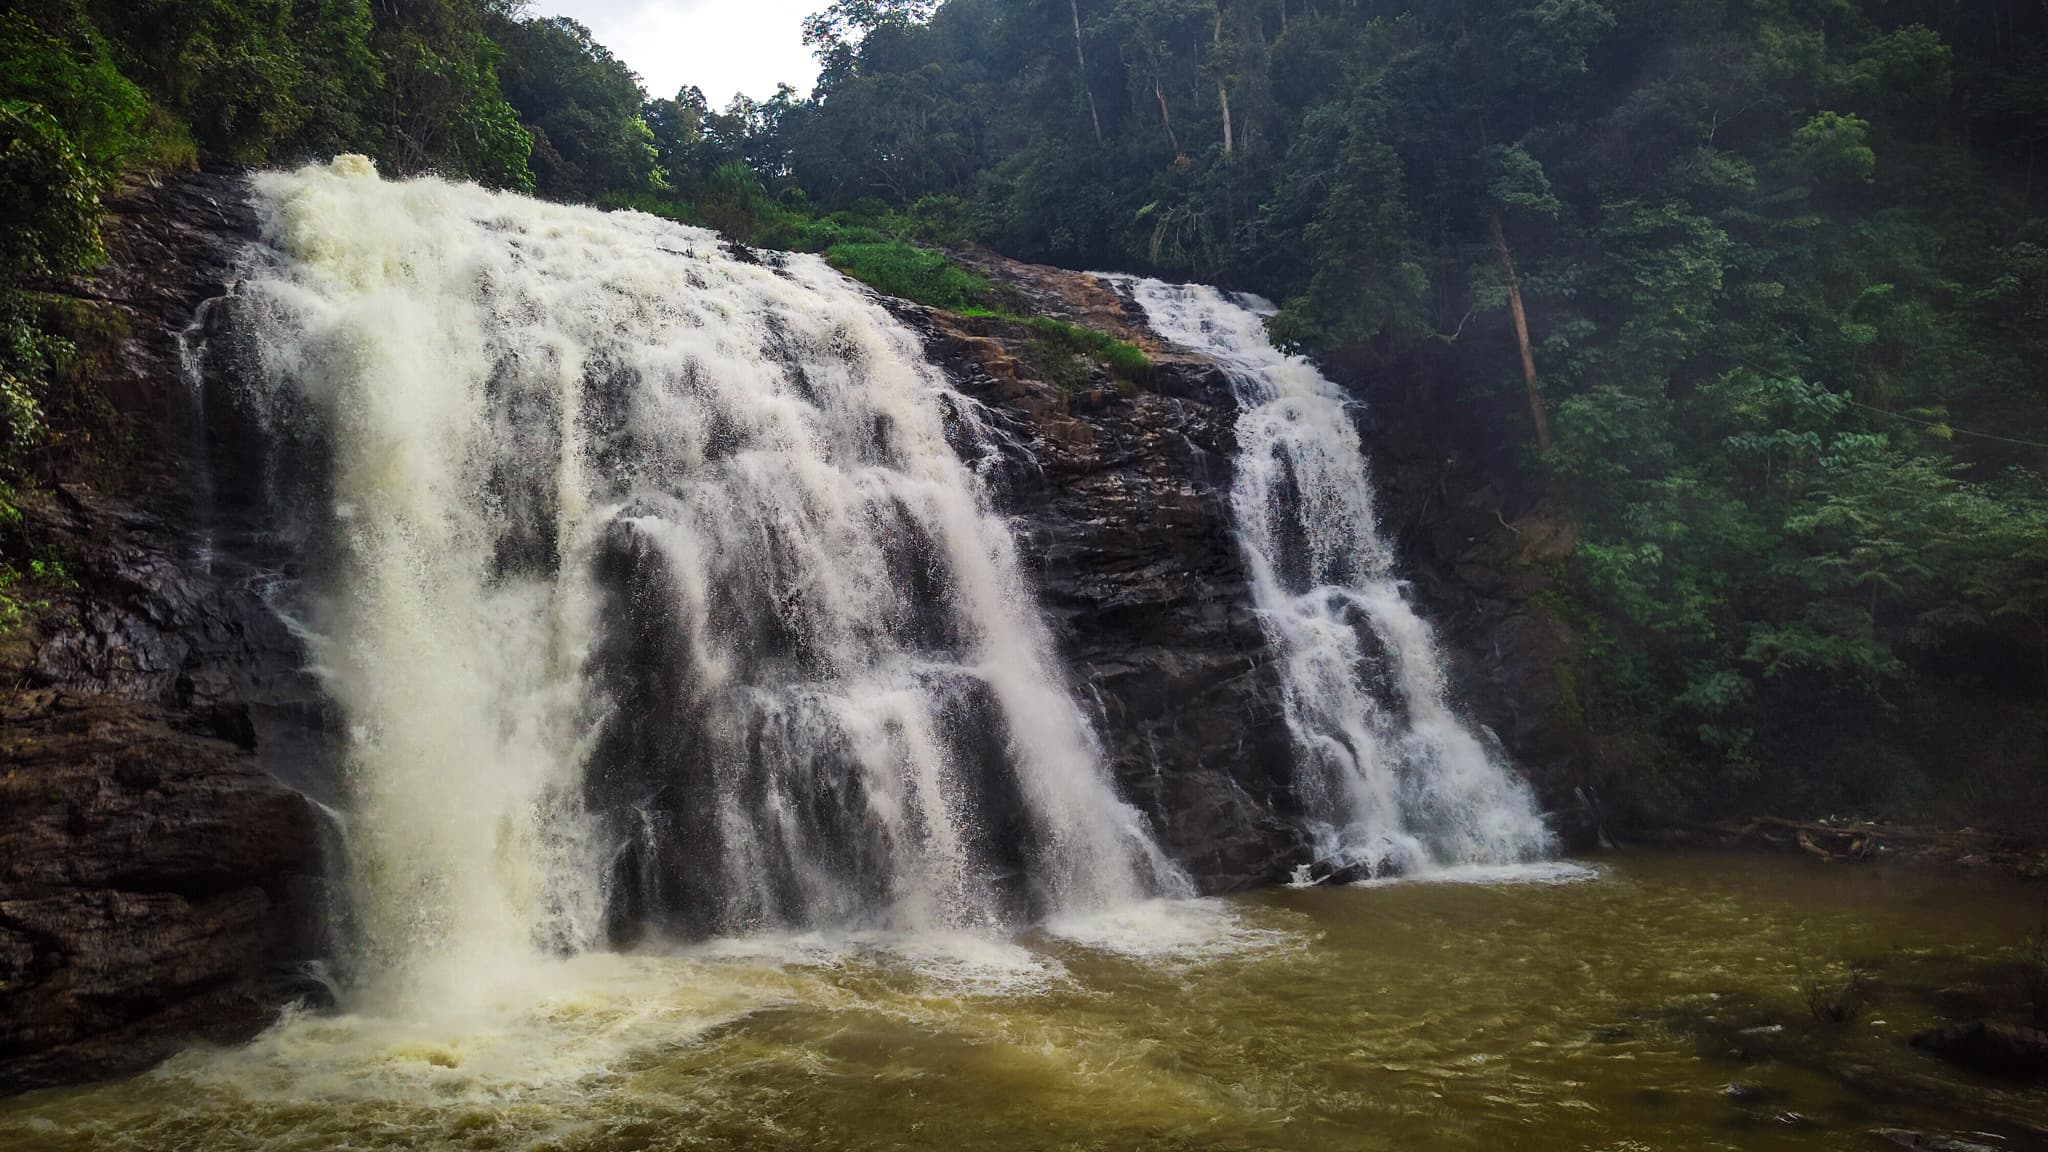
[{"x": 1753, "y": 292}]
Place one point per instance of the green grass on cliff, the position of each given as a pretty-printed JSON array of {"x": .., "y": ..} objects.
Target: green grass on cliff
[
  {"x": 880, "y": 248},
  {"x": 897, "y": 268}
]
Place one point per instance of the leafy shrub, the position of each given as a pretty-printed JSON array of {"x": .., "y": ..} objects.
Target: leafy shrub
[{"x": 71, "y": 85}]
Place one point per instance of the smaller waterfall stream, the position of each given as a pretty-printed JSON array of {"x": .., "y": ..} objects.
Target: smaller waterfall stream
[{"x": 1393, "y": 780}]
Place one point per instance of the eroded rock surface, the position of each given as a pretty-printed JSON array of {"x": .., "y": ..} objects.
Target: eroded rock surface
[
  {"x": 1121, "y": 497},
  {"x": 158, "y": 870},
  {"x": 1123, "y": 493},
  {"x": 152, "y": 882}
]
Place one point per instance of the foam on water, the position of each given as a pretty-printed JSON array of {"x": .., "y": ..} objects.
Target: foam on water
[
  {"x": 931, "y": 962},
  {"x": 576, "y": 1018},
  {"x": 1171, "y": 930},
  {"x": 1538, "y": 872}
]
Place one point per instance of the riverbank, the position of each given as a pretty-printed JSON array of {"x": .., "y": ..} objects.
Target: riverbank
[{"x": 1854, "y": 842}]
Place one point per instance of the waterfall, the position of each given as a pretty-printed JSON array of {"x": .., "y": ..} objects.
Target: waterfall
[
  {"x": 652, "y": 589},
  {"x": 1390, "y": 776}
]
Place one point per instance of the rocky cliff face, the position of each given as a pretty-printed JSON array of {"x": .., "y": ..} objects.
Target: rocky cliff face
[
  {"x": 1122, "y": 497},
  {"x": 158, "y": 879},
  {"x": 1137, "y": 482},
  {"x": 159, "y": 859},
  {"x": 1480, "y": 553}
]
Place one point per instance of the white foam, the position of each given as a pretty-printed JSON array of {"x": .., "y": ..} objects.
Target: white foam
[
  {"x": 946, "y": 963},
  {"x": 595, "y": 1012},
  {"x": 1172, "y": 930},
  {"x": 1538, "y": 872}
]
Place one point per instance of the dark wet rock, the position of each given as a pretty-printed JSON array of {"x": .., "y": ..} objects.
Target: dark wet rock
[
  {"x": 1120, "y": 495},
  {"x": 152, "y": 888},
  {"x": 159, "y": 866},
  {"x": 1992, "y": 1047},
  {"x": 1332, "y": 870},
  {"x": 1480, "y": 551},
  {"x": 1123, "y": 495},
  {"x": 167, "y": 647}
]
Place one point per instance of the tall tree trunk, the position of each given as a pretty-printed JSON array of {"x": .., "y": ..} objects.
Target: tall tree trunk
[
  {"x": 1081, "y": 63},
  {"x": 1165, "y": 120},
  {"x": 1223, "y": 96},
  {"x": 1222, "y": 92},
  {"x": 1521, "y": 318},
  {"x": 1158, "y": 93}
]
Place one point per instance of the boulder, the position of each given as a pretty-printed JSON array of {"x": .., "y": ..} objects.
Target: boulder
[
  {"x": 1993, "y": 1047},
  {"x": 155, "y": 887}
]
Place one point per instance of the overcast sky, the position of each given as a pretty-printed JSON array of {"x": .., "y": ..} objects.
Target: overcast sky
[{"x": 721, "y": 46}]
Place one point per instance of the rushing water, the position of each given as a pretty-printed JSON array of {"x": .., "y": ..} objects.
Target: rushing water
[
  {"x": 1608, "y": 1012},
  {"x": 653, "y": 590},
  {"x": 1396, "y": 780}
]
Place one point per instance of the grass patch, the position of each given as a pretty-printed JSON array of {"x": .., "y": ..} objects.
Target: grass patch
[
  {"x": 876, "y": 248},
  {"x": 1123, "y": 359},
  {"x": 895, "y": 268}
]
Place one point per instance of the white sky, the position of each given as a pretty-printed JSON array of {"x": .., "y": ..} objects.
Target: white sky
[{"x": 721, "y": 46}]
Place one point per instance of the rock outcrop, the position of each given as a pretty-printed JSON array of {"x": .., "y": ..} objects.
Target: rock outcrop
[
  {"x": 1121, "y": 496},
  {"x": 148, "y": 879},
  {"x": 159, "y": 871},
  {"x": 1993, "y": 1047},
  {"x": 1139, "y": 565}
]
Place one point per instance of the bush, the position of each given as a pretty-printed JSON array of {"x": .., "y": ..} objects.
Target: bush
[
  {"x": 71, "y": 83},
  {"x": 49, "y": 227}
]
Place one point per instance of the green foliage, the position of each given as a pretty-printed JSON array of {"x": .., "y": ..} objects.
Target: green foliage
[
  {"x": 253, "y": 79},
  {"x": 49, "y": 198},
  {"x": 582, "y": 107},
  {"x": 895, "y": 268},
  {"x": 49, "y": 227},
  {"x": 1122, "y": 358},
  {"x": 64, "y": 77},
  {"x": 1833, "y": 147},
  {"x": 441, "y": 108},
  {"x": 1056, "y": 342}
]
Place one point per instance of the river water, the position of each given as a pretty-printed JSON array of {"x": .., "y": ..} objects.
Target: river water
[{"x": 1646, "y": 1000}]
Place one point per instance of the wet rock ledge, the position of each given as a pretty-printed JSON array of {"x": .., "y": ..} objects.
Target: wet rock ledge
[
  {"x": 158, "y": 879},
  {"x": 147, "y": 872},
  {"x": 1120, "y": 494}
]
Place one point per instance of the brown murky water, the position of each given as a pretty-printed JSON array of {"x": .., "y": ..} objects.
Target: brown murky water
[{"x": 1657, "y": 1004}]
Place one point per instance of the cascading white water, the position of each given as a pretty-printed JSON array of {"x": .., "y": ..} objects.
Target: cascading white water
[
  {"x": 1394, "y": 780},
  {"x": 652, "y": 590}
]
